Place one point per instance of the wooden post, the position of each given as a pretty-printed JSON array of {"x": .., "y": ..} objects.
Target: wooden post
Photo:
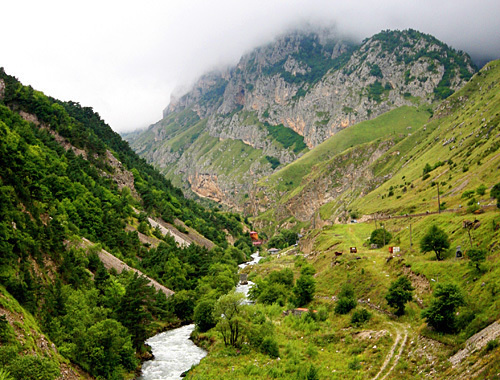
[
  {"x": 410, "y": 237},
  {"x": 439, "y": 203}
]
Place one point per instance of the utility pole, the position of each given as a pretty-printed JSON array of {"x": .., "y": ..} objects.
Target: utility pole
[
  {"x": 411, "y": 245},
  {"x": 439, "y": 203}
]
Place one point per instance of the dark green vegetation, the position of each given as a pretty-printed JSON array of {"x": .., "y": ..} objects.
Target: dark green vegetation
[
  {"x": 441, "y": 312},
  {"x": 380, "y": 237},
  {"x": 283, "y": 239},
  {"x": 400, "y": 293},
  {"x": 286, "y": 137},
  {"x": 60, "y": 166},
  {"x": 435, "y": 240}
]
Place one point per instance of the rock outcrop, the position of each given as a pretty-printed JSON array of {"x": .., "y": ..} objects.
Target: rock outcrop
[{"x": 307, "y": 86}]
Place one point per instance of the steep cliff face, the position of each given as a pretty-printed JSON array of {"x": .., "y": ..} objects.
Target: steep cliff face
[{"x": 293, "y": 94}]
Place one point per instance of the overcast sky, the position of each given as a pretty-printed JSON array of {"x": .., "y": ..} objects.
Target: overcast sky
[{"x": 124, "y": 58}]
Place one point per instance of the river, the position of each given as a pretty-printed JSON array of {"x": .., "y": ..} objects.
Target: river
[{"x": 174, "y": 353}]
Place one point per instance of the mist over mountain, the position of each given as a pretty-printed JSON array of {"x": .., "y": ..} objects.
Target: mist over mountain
[{"x": 287, "y": 97}]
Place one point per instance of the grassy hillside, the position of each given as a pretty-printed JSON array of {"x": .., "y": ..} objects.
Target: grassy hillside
[
  {"x": 393, "y": 123},
  {"x": 327, "y": 344},
  {"x": 458, "y": 150},
  {"x": 457, "y": 147},
  {"x": 460, "y": 145}
]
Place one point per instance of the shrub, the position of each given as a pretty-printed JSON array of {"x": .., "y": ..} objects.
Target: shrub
[
  {"x": 304, "y": 289},
  {"x": 30, "y": 367},
  {"x": 354, "y": 364},
  {"x": 476, "y": 256},
  {"x": 495, "y": 193},
  {"x": 322, "y": 314},
  {"x": 270, "y": 347},
  {"x": 467, "y": 194},
  {"x": 360, "y": 316},
  {"x": 312, "y": 373},
  {"x": 492, "y": 344},
  {"x": 481, "y": 190},
  {"x": 284, "y": 276},
  {"x": 273, "y": 292},
  {"x": 345, "y": 305},
  {"x": 203, "y": 315},
  {"x": 441, "y": 313},
  {"x": 346, "y": 300},
  {"x": 381, "y": 237},
  {"x": 400, "y": 292},
  {"x": 427, "y": 168}
]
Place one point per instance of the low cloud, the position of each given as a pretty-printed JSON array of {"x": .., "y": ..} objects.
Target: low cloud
[{"x": 125, "y": 58}]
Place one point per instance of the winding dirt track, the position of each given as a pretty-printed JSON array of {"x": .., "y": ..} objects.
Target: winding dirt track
[{"x": 401, "y": 333}]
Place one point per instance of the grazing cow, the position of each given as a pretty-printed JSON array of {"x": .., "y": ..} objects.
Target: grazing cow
[{"x": 337, "y": 254}]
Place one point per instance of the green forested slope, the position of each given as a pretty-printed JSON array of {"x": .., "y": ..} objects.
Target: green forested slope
[{"x": 58, "y": 184}]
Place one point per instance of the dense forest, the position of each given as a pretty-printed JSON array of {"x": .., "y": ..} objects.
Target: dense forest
[{"x": 57, "y": 186}]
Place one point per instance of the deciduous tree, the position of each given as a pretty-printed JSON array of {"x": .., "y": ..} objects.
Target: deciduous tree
[
  {"x": 227, "y": 313},
  {"x": 435, "y": 240}
]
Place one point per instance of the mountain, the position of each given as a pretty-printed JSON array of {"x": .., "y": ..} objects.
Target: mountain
[
  {"x": 283, "y": 99},
  {"x": 93, "y": 240},
  {"x": 376, "y": 166},
  {"x": 401, "y": 209}
]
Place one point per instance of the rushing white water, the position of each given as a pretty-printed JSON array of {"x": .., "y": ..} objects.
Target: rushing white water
[
  {"x": 255, "y": 259},
  {"x": 174, "y": 353},
  {"x": 245, "y": 288}
]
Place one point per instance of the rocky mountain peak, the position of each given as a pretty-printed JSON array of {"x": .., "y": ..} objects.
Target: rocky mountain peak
[{"x": 293, "y": 94}]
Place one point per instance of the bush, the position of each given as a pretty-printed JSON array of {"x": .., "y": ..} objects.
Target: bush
[
  {"x": 492, "y": 344},
  {"x": 270, "y": 347},
  {"x": 30, "y": 367},
  {"x": 203, "y": 315},
  {"x": 476, "y": 256},
  {"x": 400, "y": 292},
  {"x": 360, "y": 316},
  {"x": 273, "y": 293},
  {"x": 354, "y": 364},
  {"x": 346, "y": 300},
  {"x": 322, "y": 314},
  {"x": 481, "y": 190},
  {"x": 312, "y": 373},
  {"x": 495, "y": 193},
  {"x": 345, "y": 305},
  {"x": 441, "y": 313},
  {"x": 284, "y": 276},
  {"x": 304, "y": 289},
  {"x": 467, "y": 194},
  {"x": 381, "y": 237}
]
